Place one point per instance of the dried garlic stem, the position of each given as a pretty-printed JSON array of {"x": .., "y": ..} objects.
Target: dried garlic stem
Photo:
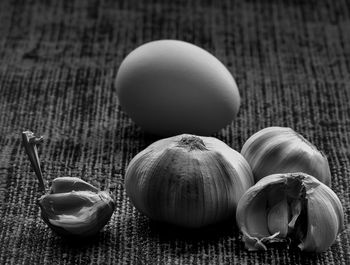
[{"x": 30, "y": 142}]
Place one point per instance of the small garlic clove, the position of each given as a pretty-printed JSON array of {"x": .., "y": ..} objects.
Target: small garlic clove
[
  {"x": 252, "y": 216},
  {"x": 81, "y": 213},
  {"x": 72, "y": 207},
  {"x": 278, "y": 218},
  {"x": 274, "y": 150}
]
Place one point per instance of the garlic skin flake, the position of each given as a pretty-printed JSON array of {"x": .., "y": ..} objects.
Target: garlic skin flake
[
  {"x": 74, "y": 207},
  {"x": 282, "y": 150},
  {"x": 315, "y": 214},
  {"x": 187, "y": 180}
]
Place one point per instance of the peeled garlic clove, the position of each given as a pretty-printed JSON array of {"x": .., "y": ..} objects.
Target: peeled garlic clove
[
  {"x": 282, "y": 150},
  {"x": 80, "y": 213},
  {"x": 187, "y": 180},
  {"x": 312, "y": 208}
]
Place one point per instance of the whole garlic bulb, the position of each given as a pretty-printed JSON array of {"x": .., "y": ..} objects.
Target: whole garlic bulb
[
  {"x": 294, "y": 206},
  {"x": 187, "y": 180},
  {"x": 282, "y": 150}
]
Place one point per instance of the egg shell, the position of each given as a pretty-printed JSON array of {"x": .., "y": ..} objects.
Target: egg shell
[{"x": 169, "y": 87}]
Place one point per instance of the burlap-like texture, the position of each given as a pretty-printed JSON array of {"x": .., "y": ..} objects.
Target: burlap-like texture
[{"x": 58, "y": 60}]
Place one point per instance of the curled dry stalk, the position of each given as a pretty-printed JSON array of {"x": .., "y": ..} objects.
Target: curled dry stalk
[{"x": 30, "y": 142}]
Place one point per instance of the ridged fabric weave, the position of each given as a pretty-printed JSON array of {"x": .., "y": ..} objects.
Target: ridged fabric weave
[{"x": 58, "y": 60}]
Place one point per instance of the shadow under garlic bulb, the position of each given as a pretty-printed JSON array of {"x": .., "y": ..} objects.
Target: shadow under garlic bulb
[{"x": 187, "y": 180}]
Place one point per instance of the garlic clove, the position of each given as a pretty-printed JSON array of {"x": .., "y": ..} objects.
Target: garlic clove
[
  {"x": 278, "y": 218},
  {"x": 81, "y": 213},
  {"x": 72, "y": 207},
  {"x": 252, "y": 216},
  {"x": 282, "y": 150},
  {"x": 312, "y": 208},
  {"x": 325, "y": 219}
]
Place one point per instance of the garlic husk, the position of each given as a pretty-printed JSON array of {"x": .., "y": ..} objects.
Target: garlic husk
[
  {"x": 314, "y": 208},
  {"x": 187, "y": 180},
  {"x": 75, "y": 208},
  {"x": 282, "y": 150}
]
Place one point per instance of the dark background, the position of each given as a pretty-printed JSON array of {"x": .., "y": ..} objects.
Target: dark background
[{"x": 58, "y": 60}]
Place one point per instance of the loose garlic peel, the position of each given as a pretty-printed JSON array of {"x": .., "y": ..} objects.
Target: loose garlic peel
[
  {"x": 187, "y": 180},
  {"x": 275, "y": 150},
  {"x": 290, "y": 207}
]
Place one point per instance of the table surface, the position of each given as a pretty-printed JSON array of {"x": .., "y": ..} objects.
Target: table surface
[{"x": 290, "y": 59}]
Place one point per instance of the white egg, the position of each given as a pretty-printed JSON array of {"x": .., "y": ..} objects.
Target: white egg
[{"x": 170, "y": 87}]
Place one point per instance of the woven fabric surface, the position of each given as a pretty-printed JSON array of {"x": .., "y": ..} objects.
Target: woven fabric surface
[{"x": 58, "y": 60}]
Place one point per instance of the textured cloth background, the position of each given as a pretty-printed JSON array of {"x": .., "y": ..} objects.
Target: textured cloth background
[{"x": 291, "y": 61}]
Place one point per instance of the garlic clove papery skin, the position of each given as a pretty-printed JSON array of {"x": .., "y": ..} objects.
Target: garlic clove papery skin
[
  {"x": 316, "y": 214},
  {"x": 282, "y": 150},
  {"x": 187, "y": 180}
]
